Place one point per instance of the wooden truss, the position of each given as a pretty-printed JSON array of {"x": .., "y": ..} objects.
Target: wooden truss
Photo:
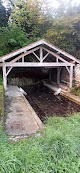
[{"x": 19, "y": 61}]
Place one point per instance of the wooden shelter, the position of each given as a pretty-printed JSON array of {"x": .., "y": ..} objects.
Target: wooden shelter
[{"x": 44, "y": 54}]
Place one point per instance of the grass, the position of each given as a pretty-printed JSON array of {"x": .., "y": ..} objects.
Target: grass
[
  {"x": 57, "y": 150},
  {"x": 76, "y": 91},
  {"x": 1, "y": 80}
]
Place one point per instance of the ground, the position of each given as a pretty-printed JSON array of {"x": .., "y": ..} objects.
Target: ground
[{"x": 57, "y": 150}]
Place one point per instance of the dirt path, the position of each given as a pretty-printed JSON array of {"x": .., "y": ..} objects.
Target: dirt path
[{"x": 20, "y": 117}]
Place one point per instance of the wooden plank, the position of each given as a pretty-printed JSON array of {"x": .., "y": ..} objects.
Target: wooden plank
[{"x": 37, "y": 64}]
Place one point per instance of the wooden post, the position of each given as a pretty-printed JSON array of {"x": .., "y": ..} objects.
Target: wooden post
[
  {"x": 23, "y": 59},
  {"x": 4, "y": 77},
  {"x": 71, "y": 76},
  {"x": 41, "y": 54},
  {"x": 58, "y": 75}
]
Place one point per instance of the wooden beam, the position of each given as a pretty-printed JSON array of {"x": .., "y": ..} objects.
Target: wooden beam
[
  {"x": 23, "y": 59},
  {"x": 24, "y": 54},
  {"x": 56, "y": 59},
  {"x": 9, "y": 71},
  {"x": 4, "y": 77},
  {"x": 45, "y": 56},
  {"x": 36, "y": 56},
  {"x": 71, "y": 76},
  {"x": 37, "y": 64},
  {"x": 41, "y": 54}
]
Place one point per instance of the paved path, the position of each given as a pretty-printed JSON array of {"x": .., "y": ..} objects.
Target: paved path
[{"x": 20, "y": 116}]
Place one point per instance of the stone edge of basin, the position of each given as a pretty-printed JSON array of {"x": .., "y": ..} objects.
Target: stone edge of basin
[
  {"x": 71, "y": 97},
  {"x": 37, "y": 119}
]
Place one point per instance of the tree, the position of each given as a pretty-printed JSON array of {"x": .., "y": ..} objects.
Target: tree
[
  {"x": 30, "y": 17},
  {"x": 12, "y": 38},
  {"x": 65, "y": 33},
  {"x": 3, "y": 17}
]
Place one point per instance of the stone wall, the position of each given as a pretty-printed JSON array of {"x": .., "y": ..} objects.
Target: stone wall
[
  {"x": 64, "y": 75},
  {"x": 22, "y": 81}
]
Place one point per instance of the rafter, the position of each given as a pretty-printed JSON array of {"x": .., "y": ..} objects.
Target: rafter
[
  {"x": 45, "y": 56},
  {"x": 54, "y": 54},
  {"x": 9, "y": 71},
  {"x": 36, "y": 56}
]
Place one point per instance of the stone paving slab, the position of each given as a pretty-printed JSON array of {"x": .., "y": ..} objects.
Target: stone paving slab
[{"x": 21, "y": 119}]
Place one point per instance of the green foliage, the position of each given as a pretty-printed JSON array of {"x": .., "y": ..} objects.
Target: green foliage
[
  {"x": 65, "y": 34},
  {"x": 1, "y": 80},
  {"x": 29, "y": 16},
  {"x": 57, "y": 150},
  {"x": 76, "y": 91},
  {"x": 12, "y": 42},
  {"x": 31, "y": 20},
  {"x": 13, "y": 38}
]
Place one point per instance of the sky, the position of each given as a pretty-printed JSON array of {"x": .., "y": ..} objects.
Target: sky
[{"x": 53, "y": 3}]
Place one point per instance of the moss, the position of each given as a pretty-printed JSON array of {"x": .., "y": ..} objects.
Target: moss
[{"x": 76, "y": 91}]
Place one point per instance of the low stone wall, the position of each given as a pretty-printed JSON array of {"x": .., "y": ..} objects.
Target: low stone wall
[{"x": 22, "y": 81}]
